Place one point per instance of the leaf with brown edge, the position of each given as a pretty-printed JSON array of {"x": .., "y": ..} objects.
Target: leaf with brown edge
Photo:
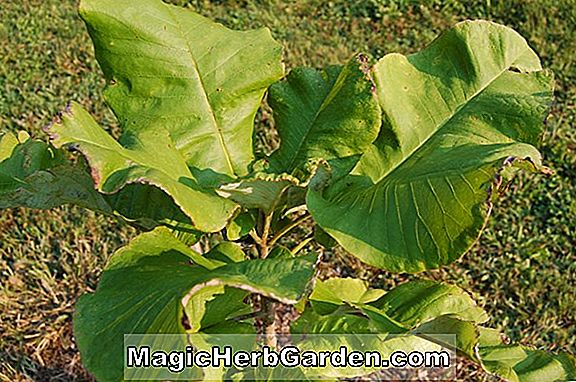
[{"x": 147, "y": 158}]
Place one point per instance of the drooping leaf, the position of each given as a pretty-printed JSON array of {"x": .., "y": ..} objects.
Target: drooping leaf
[
  {"x": 453, "y": 115},
  {"x": 346, "y": 327},
  {"x": 329, "y": 114},
  {"x": 399, "y": 310},
  {"x": 282, "y": 279},
  {"x": 140, "y": 292},
  {"x": 147, "y": 284},
  {"x": 35, "y": 175},
  {"x": 356, "y": 314},
  {"x": 148, "y": 158},
  {"x": 517, "y": 363},
  {"x": 521, "y": 364},
  {"x": 170, "y": 67}
]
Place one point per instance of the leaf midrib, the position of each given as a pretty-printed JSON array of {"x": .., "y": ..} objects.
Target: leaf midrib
[
  {"x": 218, "y": 129},
  {"x": 441, "y": 126}
]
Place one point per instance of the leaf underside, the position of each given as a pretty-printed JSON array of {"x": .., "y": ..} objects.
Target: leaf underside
[{"x": 453, "y": 115}]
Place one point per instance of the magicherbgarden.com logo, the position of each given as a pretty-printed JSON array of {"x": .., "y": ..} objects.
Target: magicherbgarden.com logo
[
  {"x": 289, "y": 356},
  {"x": 160, "y": 357}
]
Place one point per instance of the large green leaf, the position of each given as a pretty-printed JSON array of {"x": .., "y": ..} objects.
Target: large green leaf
[
  {"x": 147, "y": 284},
  {"x": 521, "y": 364},
  {"x": 201, "y": 89},
  {"x": 148, "y": 158},
  {"x": 170, "y": 67},
  {"x": 330, "y": 114},
  {"x": 409, "y": 304},
  {"x": 400, "y": 310},
  {"x": 419, "y": 314},
  {"x": 140, "y": 292},
  {"x": 326, "y": 119},
  {"x": 454, "y": 115}
]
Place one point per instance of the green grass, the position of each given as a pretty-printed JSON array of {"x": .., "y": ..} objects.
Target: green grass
[{"x": 523, "y": 270}]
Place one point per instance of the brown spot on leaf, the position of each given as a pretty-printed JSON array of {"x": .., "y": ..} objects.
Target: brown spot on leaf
[{"x": 68, "y": 109}]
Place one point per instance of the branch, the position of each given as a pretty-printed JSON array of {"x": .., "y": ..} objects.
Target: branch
[
  {"x": 255, "y": 236},
  {"x": 265, "y": 232}
]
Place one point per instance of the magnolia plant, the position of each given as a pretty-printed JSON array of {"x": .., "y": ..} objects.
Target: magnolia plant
[{"x": 397, "y": 161}]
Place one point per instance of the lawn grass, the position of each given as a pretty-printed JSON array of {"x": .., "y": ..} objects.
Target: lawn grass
[{"x": 523, "y": 270}]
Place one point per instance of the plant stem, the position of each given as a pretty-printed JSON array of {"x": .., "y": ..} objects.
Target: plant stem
[
  {"x": 268, "y": 321},
  {"x": 265, "y": 232},
  {"x": 255, "y": 236},
  {"x": 288, "y": 228},
  {"x": 269, "y": 309}
]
